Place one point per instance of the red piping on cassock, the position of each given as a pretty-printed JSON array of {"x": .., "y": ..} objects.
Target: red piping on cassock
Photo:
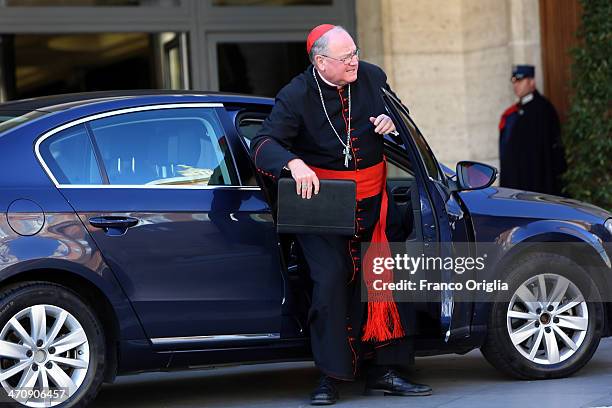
[{"x": 383, "y": 322}]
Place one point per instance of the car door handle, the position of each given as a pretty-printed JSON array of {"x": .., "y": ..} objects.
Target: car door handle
[
  {"x": 113, "y": 222},
  {"x": 401, "y": 194}
]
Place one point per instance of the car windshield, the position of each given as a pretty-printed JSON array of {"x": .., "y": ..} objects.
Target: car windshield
[{"x": 10, "y": 118}]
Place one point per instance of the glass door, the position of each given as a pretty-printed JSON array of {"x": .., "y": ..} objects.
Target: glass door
[{"x": 256, "y": 64}]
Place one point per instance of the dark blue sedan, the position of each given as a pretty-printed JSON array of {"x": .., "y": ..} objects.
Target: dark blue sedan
[{"x": 136, "y": 235}]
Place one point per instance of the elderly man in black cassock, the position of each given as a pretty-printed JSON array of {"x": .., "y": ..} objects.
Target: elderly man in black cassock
[
  {"x": 329, "y": 122},
  {"x": 531, "y": 154}
]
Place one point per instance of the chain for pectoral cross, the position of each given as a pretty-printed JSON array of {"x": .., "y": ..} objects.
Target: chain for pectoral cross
[{"x": 346, "y": 152}]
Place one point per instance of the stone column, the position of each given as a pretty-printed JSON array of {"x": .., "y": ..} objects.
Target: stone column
[
  {"x": 450, "y": 62},
  {"x": 525, "y": 35},
  {"x": 486, "y": 35}
]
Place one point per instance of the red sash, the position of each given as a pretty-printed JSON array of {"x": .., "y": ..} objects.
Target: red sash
[{"x": 383, "y": 322}]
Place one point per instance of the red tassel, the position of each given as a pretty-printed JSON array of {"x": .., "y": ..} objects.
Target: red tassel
[{"x": 383, "y": 322}]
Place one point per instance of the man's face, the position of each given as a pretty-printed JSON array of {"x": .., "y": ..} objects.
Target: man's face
[
  {"x": 340, "y": 46},
  {"x": 523, "y": 86}
]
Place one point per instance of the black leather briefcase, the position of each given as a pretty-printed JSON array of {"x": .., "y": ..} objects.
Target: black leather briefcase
[{"x": 331, "y": 212}]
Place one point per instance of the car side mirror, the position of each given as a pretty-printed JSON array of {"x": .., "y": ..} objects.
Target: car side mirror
[{"x": 474, "y": 175}]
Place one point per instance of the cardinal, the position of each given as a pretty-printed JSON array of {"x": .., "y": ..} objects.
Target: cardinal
[{"x": 329, "y": 122}]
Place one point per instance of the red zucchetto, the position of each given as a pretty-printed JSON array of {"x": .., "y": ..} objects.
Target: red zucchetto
[{"x": 317, "y": 33}]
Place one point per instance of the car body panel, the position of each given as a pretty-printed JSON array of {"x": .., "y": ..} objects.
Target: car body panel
[
  {"x": 223, "y": 229},
  {"x": 509, "y": 217},
  {"x": 221, "y": 244},
  {"x": 64, "y": 245},
  {"x": 514, "y": 219}
]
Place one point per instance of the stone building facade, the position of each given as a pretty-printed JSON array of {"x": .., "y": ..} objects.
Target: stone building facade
[{"x": 450, "y": 63}]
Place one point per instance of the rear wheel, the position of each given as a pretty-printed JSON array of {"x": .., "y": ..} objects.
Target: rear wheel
[
  {"x": 552, "y": 324},
  {"x": 51, "y": 347}
]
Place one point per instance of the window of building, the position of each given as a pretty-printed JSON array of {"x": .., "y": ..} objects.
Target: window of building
[
  {"x": 245, "y": 46},
  {"x": 91, "y": 62},
  {"x": 254, "y": 68}
]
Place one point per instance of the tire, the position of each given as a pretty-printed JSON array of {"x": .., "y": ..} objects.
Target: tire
[
  {"x": 513, "y": 319},
  {"x": 71, "y": 354}
]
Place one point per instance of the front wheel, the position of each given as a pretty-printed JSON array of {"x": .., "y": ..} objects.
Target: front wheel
[
  {"x": 552, "y": 324},
  {"x": 51, "y": 347}
]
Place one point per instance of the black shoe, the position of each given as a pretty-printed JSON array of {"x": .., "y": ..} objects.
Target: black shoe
[
  {"x": 391, "y": 383},
  {"x": 326, "y": 392}
]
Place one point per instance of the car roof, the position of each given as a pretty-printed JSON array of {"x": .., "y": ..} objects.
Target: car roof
[{"x": 56, "y": 103}]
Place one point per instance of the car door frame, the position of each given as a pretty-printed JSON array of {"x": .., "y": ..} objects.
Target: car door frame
[
  {"x": 195, "y": 341},
  {"x": 455, "y": 322},
  {"x": 293, "y": 314}
]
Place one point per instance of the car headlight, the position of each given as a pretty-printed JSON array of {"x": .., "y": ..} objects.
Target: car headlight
[{"x": 608, "y": 225}]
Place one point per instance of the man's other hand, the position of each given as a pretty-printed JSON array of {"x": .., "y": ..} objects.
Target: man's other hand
[
  {"x": 306, "y": 181},
  {"x": 383, "y": 124}
]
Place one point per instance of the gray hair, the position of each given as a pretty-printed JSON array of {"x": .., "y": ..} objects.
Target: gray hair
[{"x": 320, "y": 46}]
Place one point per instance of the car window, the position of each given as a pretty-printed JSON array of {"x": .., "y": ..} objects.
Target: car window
[
  {"x": 399, "y": 166},
  {"x": 183, "y": 146},
  {"x": 431, "y": 164},
  {"x": 395, "y": 172},
  {"x": 248, "y": 128},
  {"x": 248, "y": 125},
  {"x": 70, "y": 157}
]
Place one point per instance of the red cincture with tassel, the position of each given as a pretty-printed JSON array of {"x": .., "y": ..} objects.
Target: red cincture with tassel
[{"x": 383, "y": 322}]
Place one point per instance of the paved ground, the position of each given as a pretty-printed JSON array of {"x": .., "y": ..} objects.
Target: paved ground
[{"x": 458, "y": 381}]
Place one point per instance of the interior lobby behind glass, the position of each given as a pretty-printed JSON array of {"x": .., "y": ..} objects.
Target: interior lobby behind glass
[
  {"x": 259, "y": 68},
  {"x": 43, "y": 64}
]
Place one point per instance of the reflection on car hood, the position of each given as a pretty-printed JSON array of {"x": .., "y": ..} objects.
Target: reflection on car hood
[{"x": 506, "y": 201}]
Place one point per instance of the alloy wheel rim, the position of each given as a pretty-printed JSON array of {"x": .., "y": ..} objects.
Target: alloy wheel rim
[
  {"x": 42, "y": 347},
  {"x": 547, "y": 319}
]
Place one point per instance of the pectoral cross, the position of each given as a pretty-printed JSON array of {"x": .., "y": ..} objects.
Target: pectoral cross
[{"x": 347, "y": 156}]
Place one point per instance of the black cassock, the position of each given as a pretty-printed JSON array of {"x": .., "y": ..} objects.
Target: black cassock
[
  {"x": 298, "y": 127},
  {"x": 531, "y": 152}
]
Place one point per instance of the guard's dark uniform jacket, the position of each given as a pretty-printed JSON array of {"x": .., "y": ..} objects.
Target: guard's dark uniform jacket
[
  {"x": 530, "y": 149},
  {"x": 298, "y": 128}
]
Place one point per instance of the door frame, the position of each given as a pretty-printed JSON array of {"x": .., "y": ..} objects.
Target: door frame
[
  {"x": 198, "y": 19},
  {"x": 438, "y": 219}
]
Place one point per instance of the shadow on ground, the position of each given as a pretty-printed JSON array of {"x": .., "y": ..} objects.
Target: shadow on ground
[{"x": 458, "y": 381}]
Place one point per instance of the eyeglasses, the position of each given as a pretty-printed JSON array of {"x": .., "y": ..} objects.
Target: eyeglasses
[{"x": 345, "y": 60}]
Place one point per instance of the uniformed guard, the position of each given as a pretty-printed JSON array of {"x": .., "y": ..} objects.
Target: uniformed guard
[
  {"x": 329, "y": 122},
  {"x": 530, "y": 149}
]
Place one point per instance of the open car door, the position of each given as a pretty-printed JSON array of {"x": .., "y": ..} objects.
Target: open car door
[{"x": 442, "y": 222}]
